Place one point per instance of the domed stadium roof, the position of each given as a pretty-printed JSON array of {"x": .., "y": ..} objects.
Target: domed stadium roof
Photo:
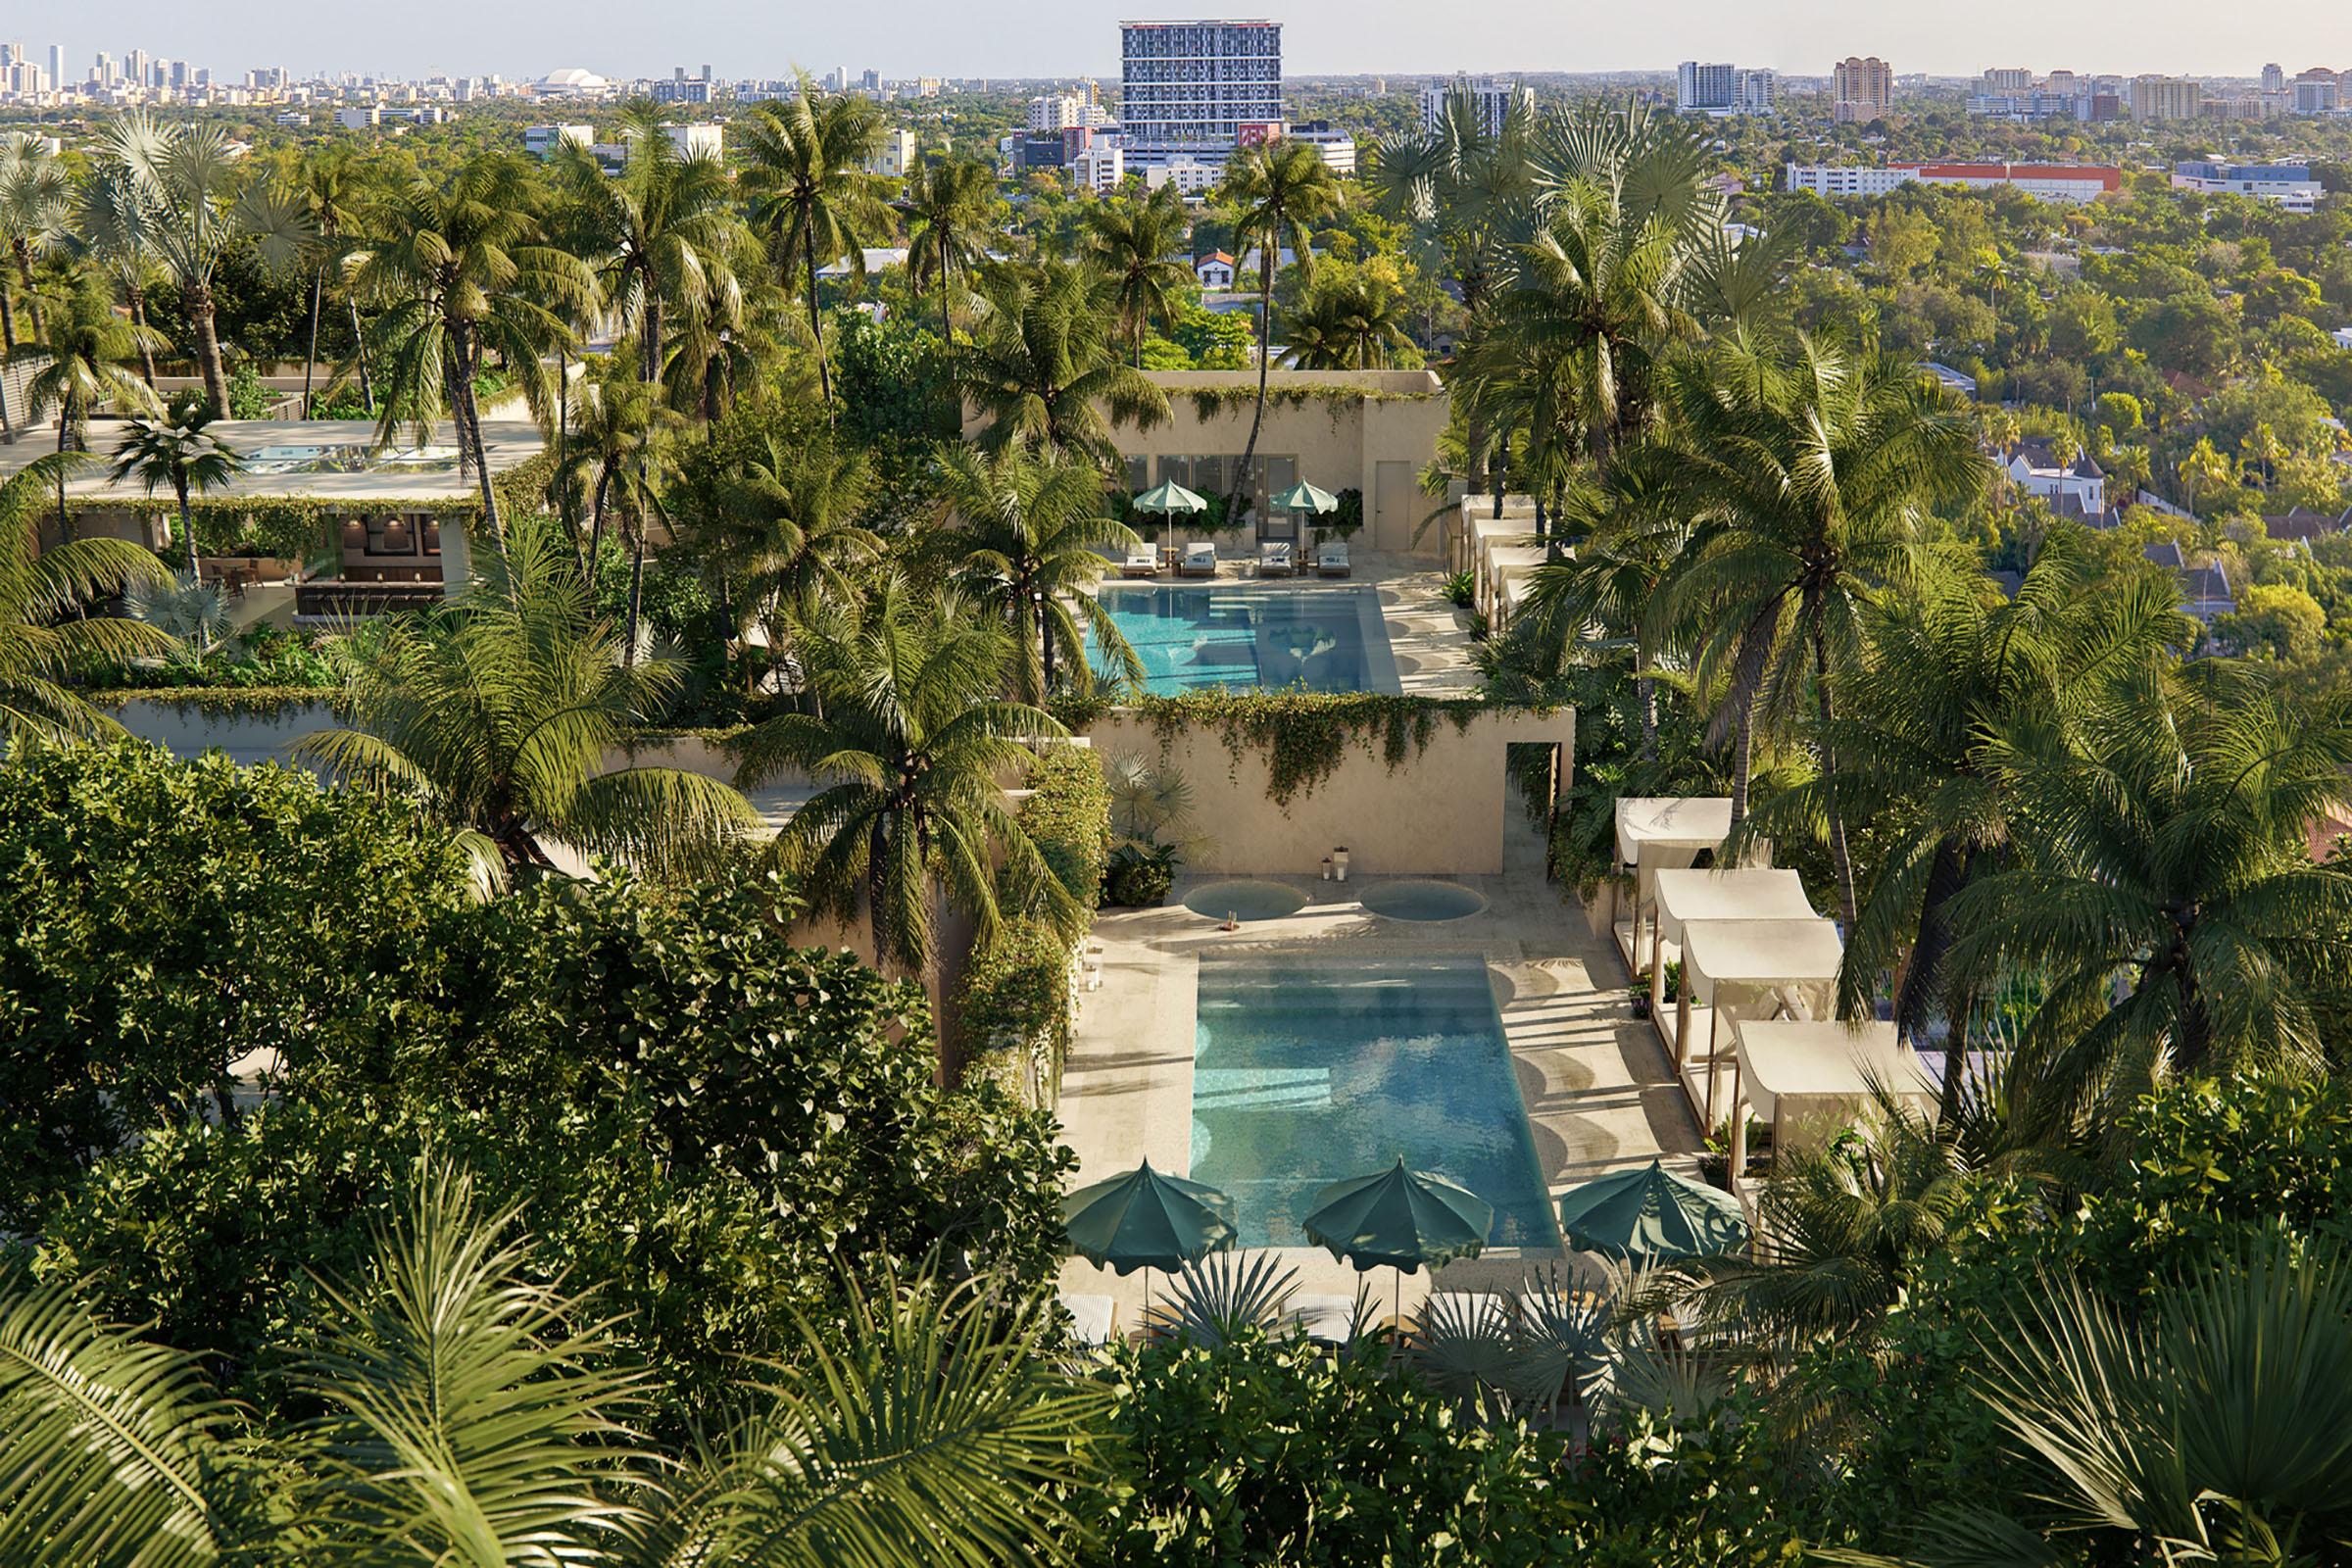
[{"x": 571, "y": 78}]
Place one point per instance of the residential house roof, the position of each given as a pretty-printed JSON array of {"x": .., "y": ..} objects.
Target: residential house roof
[{"x": 2301, "y": 524}]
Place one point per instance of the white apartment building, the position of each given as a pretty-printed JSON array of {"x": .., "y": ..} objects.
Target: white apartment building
[
  {"x": 1702, "y": 87},
  {"x": 1841, "y": 180},
  {"x": 2049, "y": 182},
  {"x": 1100, "y": 167},
  {"x": 541, "y": 141},
  {"x": 894, "y": 156},
  {"x": 1069, "y": 111},
  {"x": 1188, "y": 89},
  {"x": 2292, "y": 186},
  {"x": 1337, "y": 146},
  {"x": 361, "y": 117},
  {"x": 1491, "y": 101},
  {"x": 1187, "y": 176}
]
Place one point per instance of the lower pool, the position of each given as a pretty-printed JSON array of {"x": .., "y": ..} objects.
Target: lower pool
[
  {"x": 1309, "y": 1069},
  {"x": 1193, "y": 639}
]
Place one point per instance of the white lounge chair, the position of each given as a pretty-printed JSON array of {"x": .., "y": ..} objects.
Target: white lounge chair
[
  {"x": 1143, "y": 560},
  {"x": 1093, "y": 1319},
  {"x": 1200, "y": 559},
  {"x": 1325, "y": 1319},
  {"x": 1331, "y": 559},
  {"x": 1274, "y": 558}
]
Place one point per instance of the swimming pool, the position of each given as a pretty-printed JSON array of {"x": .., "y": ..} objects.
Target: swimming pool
[
  {"x": 1309, "y": 1069},
  {"x": 1327, "y": 639}
]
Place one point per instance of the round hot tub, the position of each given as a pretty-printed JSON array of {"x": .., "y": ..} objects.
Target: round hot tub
[
  {"x": 1244, "y": 899},
  {"x": 1416, "y": 900}
]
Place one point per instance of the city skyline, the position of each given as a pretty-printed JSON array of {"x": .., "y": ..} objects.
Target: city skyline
[{"x": 1323, "y": 38}]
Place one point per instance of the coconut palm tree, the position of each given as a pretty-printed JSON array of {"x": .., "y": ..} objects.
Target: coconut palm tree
[
  {"x": 177, "y": 452},
  {"x": 80, "y": 360},
  {"x": 739, "y": 331},
  {"x": 1813, "y": 469},
  {"x": 463, "y": 270},
  {"x": 658, "y": 233},
  {"x": 472, "y": 1407},
  {"x": 913, "y": 745},
  {"x": 951, "y": 217},
  {"x": 803, "y": 167},
  {"x": 1028, "y": 534},
  {"x": 1043, "y": 368},
  {"x": 1136, "y": 243},
  {"x": 1346, "y": 324},
  {"x": 618, "y": 454},
  {"x": 1275, "y": 190},
  {"x": 2163, "y": 841},
  {"x": 499, "y": 718},
  {"x": 332, "y": 190},
  {"x": 200, "y": 203},
  {"x": 45, "y": 628},
  {"x": 789, "y": 529}
]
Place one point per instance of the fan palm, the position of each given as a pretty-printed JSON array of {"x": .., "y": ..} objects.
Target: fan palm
[
  {"x": 618, "y": 454},
  {"x": 913, "y": 744},
  {"x": 657, "y": 232},
  {"x": 79, "y": 361},
  {"x": 498, "y": 717},
  {"x": 1029, "y": 533},
  {"x": 1943, "y": 671},
  {"x": 950, "y": 221},
  {"x": 200, "y": 204},
  {"x": 803, "y": 166},
  {"x": 471, "y": 1412},
  {"x": 1136, "y": 243},
  {"x": 177, "y": 451},
  {"x": 463, "y": 270},
  {"x": 1275, "y": 190},
  {"x": 34, "y": 193},
  {"x": 45, "y": 631},
  {"x": 111, "y": 227},
  {"x": 2163, "y": 838},
  {"x": 1815, "y": 470},
  {"x": 1043, "y": 370}
]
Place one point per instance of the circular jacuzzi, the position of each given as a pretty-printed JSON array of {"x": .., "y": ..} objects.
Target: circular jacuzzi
[
  {"x": 1244, "y": 899},
  {"x": 1414, "y": 900}
]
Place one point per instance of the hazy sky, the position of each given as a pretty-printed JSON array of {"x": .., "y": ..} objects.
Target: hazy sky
[{"x": 1058, "y": 37}]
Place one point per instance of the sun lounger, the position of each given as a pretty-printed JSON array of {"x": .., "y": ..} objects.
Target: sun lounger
[
  {"x": 1199, "y": 560},
  {"x": 1325, "y": 1319},
  {"x": 1331, "y": 559},
  {"x": 1093, "y": 1319},
  {"x": 1274, "y": 558},
  {"x": 1143, "y": 560}
]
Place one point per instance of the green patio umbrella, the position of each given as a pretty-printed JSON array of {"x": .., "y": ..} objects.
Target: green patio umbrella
[
  {"x": 1400, "y": 1219},
  {"x": 1305, "y": 496},
  {"x": 1168, "y": 499},
  {"x": 1146, "y": 1219},
  {"x": 1650, "y": 1213}
]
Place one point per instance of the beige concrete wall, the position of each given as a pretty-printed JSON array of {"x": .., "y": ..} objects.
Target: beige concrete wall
[
  {"x": 1439, "y": 813},
  {"x": 1369, "y": 430}
]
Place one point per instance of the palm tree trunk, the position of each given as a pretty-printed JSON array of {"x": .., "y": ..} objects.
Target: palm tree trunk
[
  {"x": 1747, "y": 680},
  {"x": 470, "y": 435},
  {"x": 187, "y": 530},
  {"x": 2195, "y": 1034},
  {"x": 816, "y": 325},
  {"x": 628, "y": 653},
  {"x": 947, "y": 308},
  {"x": 1839, "y": 855},
  {"x": 8, "y": 352},
  {"x": 32, "y": 298},
  {"x": 652, "y": 337},
  {"x": 1947, "y": 875},
  {"x": 1645, "y": 698},
  {"x": 139, "y": 318},
  {"x": 596, "y": 538},
  {"x": 359, "y": 340},
  {"x": 65, "y": 523},
  {"x": 310, "y": 355},
  {"x": 1044, "y": 644},
  {"x": 1257, "y": 418},
  {"x": 878, "y": 888},
  {"x": 196, "y": 300}
]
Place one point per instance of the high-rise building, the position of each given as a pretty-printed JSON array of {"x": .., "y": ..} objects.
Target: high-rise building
[
  {"x": 1701, "y": 88},
  {"x": 102, "y": 69},
  {"x": 57, "y": 65},
  {"x": 2008, "y": 79},
  {"x": 1492, "y": 100},
  {"x": 2166, "y": 98},
  {"x": 894, "y": 155},
  {"x": 2273, "y": 79},
  {"x": 1187, "y": 88},
  {"x": 2317, "y": 91},
  {"x": 1861, "y": 91},
  {"x": 871, "y": 82}
]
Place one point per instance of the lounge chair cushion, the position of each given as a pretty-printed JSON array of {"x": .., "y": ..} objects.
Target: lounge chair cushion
[{"x": 1091, "y": 1317}]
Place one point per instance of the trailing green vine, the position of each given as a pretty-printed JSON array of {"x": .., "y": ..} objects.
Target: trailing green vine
[
  {"x": 219, "y": 702},
  {"x": 1305, "y": 735},
  {"x": 1208, "y": 401}
]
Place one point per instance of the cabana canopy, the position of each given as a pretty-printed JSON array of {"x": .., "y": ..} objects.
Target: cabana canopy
[
  {"x": 1729, "y": 893},
  {"x": 1658, "y": 833},
  {"x": 1810, "y": 1077},
  {"x": 1761, "y": 968}
]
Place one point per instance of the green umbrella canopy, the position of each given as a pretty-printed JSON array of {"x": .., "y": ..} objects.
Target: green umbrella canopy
[
  {"x": 1305, "y": 496},
  {"x": 1169, "y": 498},
  {"x": 1146, "y": 1219},
  {"x": 1400, "y": 1219},
  {"x": 1651, "y": 1213}
]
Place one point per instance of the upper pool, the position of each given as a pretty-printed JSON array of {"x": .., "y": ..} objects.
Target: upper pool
[
  {"x": 1309, "y": 1069},
  {"x": 1189, "y": 639}
]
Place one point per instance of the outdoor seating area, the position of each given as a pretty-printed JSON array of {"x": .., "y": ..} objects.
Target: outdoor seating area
[
  {"x": 1331, "y": 559},
  {"x": 1654, "y": 834},
  {"x": 1274, "y": 558},
  {"x": 1806, "y": 1079},
  {"x": 1200, "y": 559}
]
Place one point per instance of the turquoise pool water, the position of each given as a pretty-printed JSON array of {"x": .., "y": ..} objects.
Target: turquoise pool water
[
  {"x": 1327, "y": 639},
  {"x": 1310, "y": 1070}
]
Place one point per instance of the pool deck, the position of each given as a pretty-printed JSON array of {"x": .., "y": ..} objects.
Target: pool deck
[
  {"x": 1599, "y": 1090},
  {"x": 1429, "y": 637}
]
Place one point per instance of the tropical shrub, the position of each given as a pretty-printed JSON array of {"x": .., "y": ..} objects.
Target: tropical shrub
[{"x": 1140, "y": 874}]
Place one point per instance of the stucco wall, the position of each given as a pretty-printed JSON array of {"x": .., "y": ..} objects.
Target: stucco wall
[{"x": 1440, "y": 813}]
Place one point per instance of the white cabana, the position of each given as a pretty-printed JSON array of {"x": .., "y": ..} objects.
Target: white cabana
[
  {"x": 1729, "y": 893},
  {"x": 1660, "y": 833},
  {"x": 1810, "y": 1078},
  {"x": 1474, "y": 524},
  {"x": 1749, "y": 969},
  {"x": 1507, "y": 568}
]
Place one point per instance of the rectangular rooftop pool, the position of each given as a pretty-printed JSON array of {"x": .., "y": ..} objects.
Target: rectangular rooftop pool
[
  {"x": 1310, "y": 1070},
  {"x": 1193, "y": 639}
]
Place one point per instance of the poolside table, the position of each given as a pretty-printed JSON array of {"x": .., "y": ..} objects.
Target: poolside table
[
  {"x": 1729, "y": 893},
  {"x": 1656, "y": 833},
  {"x": 1762, "y": 968},
  {"x": 1811, "y": 1077}
]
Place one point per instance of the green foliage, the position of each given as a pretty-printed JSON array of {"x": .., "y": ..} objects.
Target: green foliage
[
  {"x": 1140, "y": 874},
  {"x": 1307, "y": 735},
  {"x": 1067, "y": 816},
  {"x": 261, "y": 657},
  {"x": 248, "y": 399}
]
